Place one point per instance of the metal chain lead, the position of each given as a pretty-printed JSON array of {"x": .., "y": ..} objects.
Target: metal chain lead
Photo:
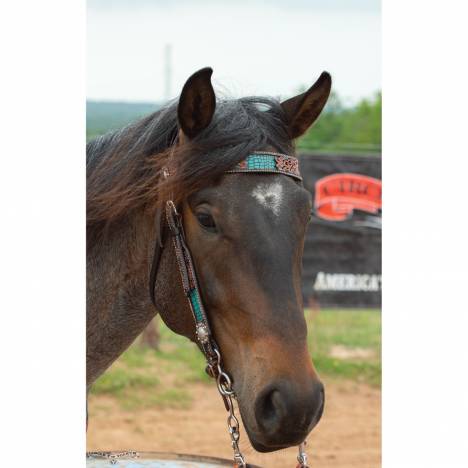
[
  {"x": 224, "y": 385},
  {"x": 302, "y": 456}
]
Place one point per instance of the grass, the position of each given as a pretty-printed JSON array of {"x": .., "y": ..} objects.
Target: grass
[
  {"x": 146, "y": 378},
  {"x": 349, "y": 329},
  {"x": 118, "y": 380}
]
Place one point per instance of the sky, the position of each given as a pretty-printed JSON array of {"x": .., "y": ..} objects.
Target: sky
[{"x": 260, "y": 47}]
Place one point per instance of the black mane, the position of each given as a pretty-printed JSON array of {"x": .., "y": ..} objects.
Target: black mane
[{"x": 124, "y": 167}]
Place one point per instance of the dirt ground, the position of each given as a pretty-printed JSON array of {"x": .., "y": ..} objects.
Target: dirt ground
[{"x": 348, "y": 435}]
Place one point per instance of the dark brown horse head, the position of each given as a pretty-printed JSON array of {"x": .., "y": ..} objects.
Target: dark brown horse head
[{"x": 246, "y": 235}]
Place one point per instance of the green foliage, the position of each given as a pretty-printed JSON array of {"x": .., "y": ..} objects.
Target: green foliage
[{"x": 339, "y": 128}]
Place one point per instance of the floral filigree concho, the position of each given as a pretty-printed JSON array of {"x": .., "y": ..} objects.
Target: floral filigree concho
[{"x": 290, "y": 165}]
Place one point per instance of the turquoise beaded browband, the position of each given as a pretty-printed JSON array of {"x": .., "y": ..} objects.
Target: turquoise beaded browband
[{"x": 265, "y": 161}]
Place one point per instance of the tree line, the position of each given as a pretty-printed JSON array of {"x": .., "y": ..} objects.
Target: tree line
[{"x": 341, "y": 128}]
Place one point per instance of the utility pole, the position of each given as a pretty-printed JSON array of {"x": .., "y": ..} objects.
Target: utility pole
[{"x": 167, "y": 71}]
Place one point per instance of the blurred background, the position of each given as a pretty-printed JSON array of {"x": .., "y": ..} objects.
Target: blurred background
[{"x": 139, "y": 54}]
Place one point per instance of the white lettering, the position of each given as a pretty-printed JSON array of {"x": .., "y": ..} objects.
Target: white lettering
[{"x": 347, "y": 282}]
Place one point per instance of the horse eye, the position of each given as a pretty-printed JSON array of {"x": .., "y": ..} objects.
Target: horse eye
[{"x": 206, "y": 221}]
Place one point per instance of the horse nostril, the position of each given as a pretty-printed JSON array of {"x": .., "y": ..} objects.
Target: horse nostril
[
  {"x": 284, "y": 411},
  {"x": 269, "y": 406},
  {"x": 269, "y": 410},
  {"x": 320, "y": 406}
]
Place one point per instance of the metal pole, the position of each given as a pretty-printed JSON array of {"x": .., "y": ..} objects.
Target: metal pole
[{"x": 167, "y": 71}]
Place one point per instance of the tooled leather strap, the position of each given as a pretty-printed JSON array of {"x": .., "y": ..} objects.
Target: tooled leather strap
[{"x": 189, "y": 282}]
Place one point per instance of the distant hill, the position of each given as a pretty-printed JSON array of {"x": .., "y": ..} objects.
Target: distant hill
[{"x": 102, "y": 116}]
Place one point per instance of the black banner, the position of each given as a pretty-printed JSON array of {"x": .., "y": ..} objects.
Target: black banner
[{"x": 342, "y": 253}]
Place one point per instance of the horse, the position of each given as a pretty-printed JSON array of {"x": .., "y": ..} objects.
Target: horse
[{"x": 245, "y": 233}]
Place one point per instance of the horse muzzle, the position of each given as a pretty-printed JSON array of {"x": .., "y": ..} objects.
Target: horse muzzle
[{"x": 285, "y": 413}]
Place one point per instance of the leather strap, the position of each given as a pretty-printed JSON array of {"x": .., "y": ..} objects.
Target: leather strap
[
  {"x": 190, "y": 283},
  {"x": 187, "y": 274},
  {"x": 158, "y": 246}
]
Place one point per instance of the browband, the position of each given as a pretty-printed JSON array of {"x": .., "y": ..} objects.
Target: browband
[{"x": 265, "y": 161}]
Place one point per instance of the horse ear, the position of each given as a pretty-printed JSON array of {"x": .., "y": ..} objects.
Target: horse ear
[
  {"x": 302, "y": 110},
  {"x": 197, "y": 103}
]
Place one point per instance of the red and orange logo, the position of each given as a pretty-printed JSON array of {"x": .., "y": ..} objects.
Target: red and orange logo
[{"x": 338, "y": 195}]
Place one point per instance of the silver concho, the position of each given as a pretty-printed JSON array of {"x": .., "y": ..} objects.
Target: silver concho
[{"x": 202, "y": 333}]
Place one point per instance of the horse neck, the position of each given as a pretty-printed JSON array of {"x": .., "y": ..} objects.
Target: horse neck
[{"x": 118, "y": 302}]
